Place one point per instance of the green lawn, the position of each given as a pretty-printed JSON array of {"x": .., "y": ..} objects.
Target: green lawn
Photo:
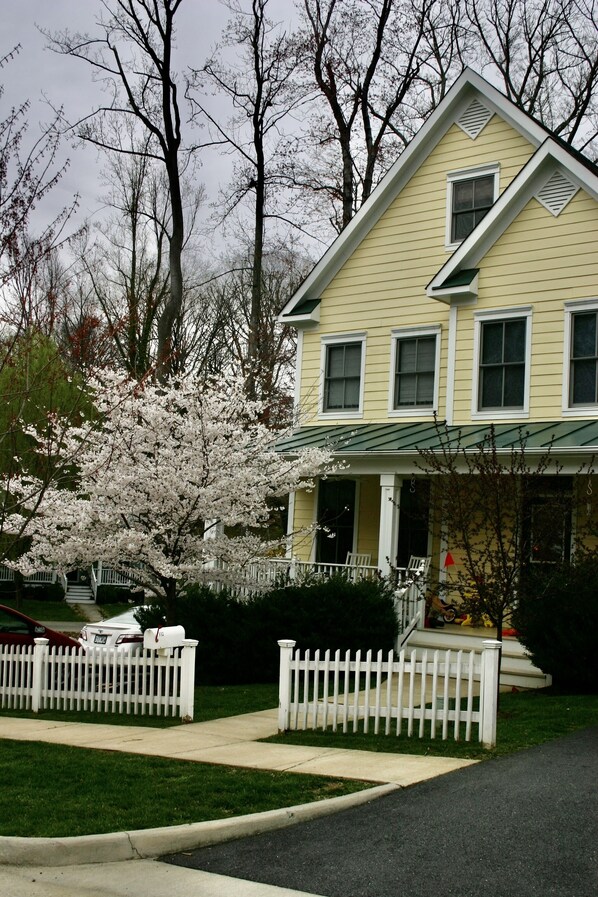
[
  {"x": 524, "y": 720},
  {"x": 211, "y": 702},
  {"x": 51, "y": 790},
  {"x": 45, "y": 610},
  {"x": 120, "y": 790}
]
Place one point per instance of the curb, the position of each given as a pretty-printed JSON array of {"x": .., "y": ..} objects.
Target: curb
[{"x": 154, "y": 842}]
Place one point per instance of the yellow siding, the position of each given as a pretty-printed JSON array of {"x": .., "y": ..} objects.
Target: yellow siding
[
  {"x": 303, "y": 519},
  {"x": 540, "y": 261},
  {"x": 382, "y": 286},
  {"x": 368, "y": 517}
]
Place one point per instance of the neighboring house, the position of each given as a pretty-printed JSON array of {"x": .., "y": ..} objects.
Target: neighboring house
[{"x": 466, "y": 287}]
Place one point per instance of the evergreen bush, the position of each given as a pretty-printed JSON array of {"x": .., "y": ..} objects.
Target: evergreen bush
[
  {"x": 108, "y": 594},
  {"x": 238, "y": 638},
  {"x": 555, "y": 621}
]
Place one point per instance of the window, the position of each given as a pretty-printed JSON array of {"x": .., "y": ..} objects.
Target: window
[
  {"x": 415, "y": 362},
  {"x": 502, "y": 351},
  {"x": 583, "y": 374},
  {"x": 471, "y": 195},
  {"x": 343, "y": 376}
]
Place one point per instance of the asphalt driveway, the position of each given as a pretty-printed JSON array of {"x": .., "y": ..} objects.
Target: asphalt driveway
[{"x": 522, "y": 826}]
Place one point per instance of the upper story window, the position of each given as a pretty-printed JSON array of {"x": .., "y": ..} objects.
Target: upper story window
[
  {"x": 471, "y": 195},
  {"x": 414, "y": 366},
  {"x": 581, "y": 360},
  {"x": 343, "y": 362},
  {"x": 503, "y": 342}
]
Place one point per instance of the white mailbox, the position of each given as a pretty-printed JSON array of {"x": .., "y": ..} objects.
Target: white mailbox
[{"x": 164, "y": 638}]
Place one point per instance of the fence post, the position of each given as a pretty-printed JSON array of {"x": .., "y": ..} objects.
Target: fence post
[
  {"x": 188, "y": 679},
  {"x": 40, "y": 655},
  {"x": 489, "y": 697},
  {"x": 284, "y": 683}
]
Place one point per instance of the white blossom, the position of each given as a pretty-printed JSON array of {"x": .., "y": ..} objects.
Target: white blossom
[{"x": 161, "y": 464}]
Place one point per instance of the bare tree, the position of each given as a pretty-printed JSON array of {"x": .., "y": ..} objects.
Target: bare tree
[
  {"x": 263, "y": 95},
  {"x": 381, "y": 67},
  {"x": 27, "y": 175},
  {"x": 283, "y": 268},
  {"x": 133, "y": 58},
  {"x": 497, "y": 511},
  {"x": 546, "y": 55}
]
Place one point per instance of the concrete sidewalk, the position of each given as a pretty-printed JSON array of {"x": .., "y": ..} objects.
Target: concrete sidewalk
[
  {"x": 230, "y": 742},
  {"x": 233, "y": 742}
]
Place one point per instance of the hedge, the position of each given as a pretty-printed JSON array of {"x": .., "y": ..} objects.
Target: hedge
[
  {"x": 238, "y": 639},
  {"x": 556, "y": 618}
]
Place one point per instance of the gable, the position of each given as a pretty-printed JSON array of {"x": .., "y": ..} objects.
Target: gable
[{"x": 474, "y": 104}]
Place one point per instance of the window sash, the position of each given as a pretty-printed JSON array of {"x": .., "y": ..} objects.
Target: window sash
[
  {"x": 472, "y": 199},
  {"x": 583, "y": 377},
  {"x": 415, "y": 372},
  {"x": 502, "y": 364},
  {"x": 342, "y": 378}
]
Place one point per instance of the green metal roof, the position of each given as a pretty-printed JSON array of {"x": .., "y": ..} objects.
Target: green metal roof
[
  {"x": 303, "y": 308},
  {"x": 408, "y": 438},
  {"x": 460, "y": 279}
]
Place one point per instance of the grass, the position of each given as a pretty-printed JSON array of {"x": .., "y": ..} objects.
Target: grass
[
  {"x": 126, "y": 791},
  {"x": 525, "y": 719},
  {"x": 112, "y": 610},
  {"x": 58, "y": 611},
  {"x": 51, "y": 790},
  {"x": 211, "y": 702}
]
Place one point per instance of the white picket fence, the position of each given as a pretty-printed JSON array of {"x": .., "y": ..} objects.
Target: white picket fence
[
  {"x": 442, "y": 694},
  {"x": 148, "y": 683}
]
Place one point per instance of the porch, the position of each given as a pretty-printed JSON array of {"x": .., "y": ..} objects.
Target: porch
[{"x": 80, "y": 586}]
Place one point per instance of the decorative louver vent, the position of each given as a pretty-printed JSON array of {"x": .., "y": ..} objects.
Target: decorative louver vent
[
  {"x": 474, "y": 119},
  {"x": 556, "y": 193}
]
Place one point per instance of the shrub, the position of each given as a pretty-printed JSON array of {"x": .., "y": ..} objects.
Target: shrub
[
  {"x": 555, "y": 620},
  {"x": 118, "y": 595},
  {"x": 47, "y": 591},
  {"x": 238, "y": 639}
]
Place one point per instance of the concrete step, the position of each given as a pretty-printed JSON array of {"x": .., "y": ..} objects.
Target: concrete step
[
  {"x": 516, "y": 668},
  {"x": 79, "y": 594}
]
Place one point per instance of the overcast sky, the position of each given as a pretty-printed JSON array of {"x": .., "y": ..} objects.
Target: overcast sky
[{"x": 38, "y": 73}]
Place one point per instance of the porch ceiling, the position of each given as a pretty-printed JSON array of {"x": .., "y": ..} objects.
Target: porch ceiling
[{"x": 408, "y": 438}]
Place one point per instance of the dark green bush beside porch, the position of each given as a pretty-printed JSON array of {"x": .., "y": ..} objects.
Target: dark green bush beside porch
[
  {"x": 556, "y": 620},
  {"x": 238, "y": 638}
]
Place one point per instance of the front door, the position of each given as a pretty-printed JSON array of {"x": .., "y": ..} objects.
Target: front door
[
  {"x": 414, "y": 515},
  {"x": 336, "y": 512}
]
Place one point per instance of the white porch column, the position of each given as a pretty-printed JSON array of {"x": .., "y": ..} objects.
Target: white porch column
[
  {"x": 390, "y": 491},
  {"x": 212, "y": 530}
]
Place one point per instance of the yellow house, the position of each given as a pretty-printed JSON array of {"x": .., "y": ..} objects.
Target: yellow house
[{"x": 465, "y": 288}]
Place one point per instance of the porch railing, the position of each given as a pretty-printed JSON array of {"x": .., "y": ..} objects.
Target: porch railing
[
  {"x": 266, "y": 570},
  {"x": 8, "y": 575},
  {"x": 410, "y": 606}
]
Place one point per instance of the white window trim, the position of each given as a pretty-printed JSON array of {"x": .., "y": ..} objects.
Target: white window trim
[
  {"x": 332, "y": 340},
  {"x": 465, "y": 174},
  {"x": 503, "y": 314},
  {"x": 577, "y": 305},
  {"x": 408, "y": 333}
]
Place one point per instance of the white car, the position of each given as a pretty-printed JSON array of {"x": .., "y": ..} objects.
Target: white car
[{"x": 122, "y": 631}]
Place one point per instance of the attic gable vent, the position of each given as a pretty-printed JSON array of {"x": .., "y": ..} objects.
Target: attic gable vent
[
  {"x": 556, "y": 193},
  {"x": 474, "y": 119}
]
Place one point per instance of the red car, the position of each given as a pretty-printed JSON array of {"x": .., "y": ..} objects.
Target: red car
[{"x": 18, "y": 629}]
